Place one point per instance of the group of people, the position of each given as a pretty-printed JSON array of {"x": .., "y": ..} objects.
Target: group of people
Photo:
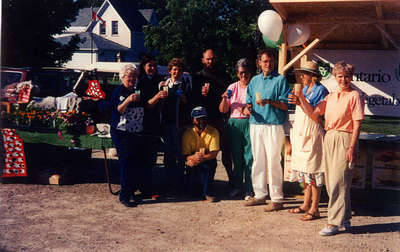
[
  {"x": 149, "y": 106},
  {"x": 199, "y": 115}
]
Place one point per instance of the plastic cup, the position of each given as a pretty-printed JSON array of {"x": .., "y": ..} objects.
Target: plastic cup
[
  {"x": 297, "y": 89},
  {"x": 165, "y": 88},
  {"x": 229, "y": 94},
  {"x": 258, "y": 96},
  {"x": 137, "y": 92},
  {"x": 202, "y": 150}
]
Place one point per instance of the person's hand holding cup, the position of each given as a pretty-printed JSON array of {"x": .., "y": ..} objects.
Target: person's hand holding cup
[
  {"x": 163, "y": 90},
  {"x": 133, "y": 97},
  {"x": 229, "y": 93},
  {"x": 292, "y": 98},
  {"x": 137, "y": 93},
  {"x": 197, "y": 158},
  {"x": 162, "y": 94},
  {"x": 296, "y": 92},
  {"x": 297, "y": 89},
  {"x": 205, "y": 89},
  {"x": 202, "y": 152},
  {"x": 258, "y": 98}
]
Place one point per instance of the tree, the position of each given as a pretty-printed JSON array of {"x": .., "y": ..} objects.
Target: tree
[
  {"x": 27, "y": 29},
  {"x": 187, "y": 27},
  {"x": 92, "y": 3}
]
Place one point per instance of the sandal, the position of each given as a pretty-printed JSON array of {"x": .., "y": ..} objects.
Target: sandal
[
  {"x": 309, "y": 216},
  {"x": 297, "y": 210}
]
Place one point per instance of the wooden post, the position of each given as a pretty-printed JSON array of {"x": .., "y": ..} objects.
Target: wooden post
[
  {"x": 282, "y": 58},
  {"x": 282, "y": 51}
]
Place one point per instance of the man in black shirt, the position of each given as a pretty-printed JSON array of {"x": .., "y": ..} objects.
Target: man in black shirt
[{"x": 209, "y": 85}]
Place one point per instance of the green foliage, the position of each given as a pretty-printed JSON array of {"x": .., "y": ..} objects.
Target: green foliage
[
  {"x": 188, "y": 27},
  {"x": 91, "y": 3},
  {"x": 382, "y": 125},
  {"x": 27, "y": 30}
]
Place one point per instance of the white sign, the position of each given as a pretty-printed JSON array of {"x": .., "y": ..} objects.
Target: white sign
[{"x": 376, "y": 77}]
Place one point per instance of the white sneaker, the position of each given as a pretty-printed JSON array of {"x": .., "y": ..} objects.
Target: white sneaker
[
  {"x": 248, "y": 197},
  {"x": 329, "y": 230}
]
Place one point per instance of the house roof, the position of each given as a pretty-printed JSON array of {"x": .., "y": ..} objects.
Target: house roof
[
  {"x": 99, "y": 43},
  {"x": 363, "y": 24},
  {"x": 135, "y": 18},
  {"x": 129, "y": 12},
  {"x": 84, "y": 17},
  {"x": 148, "y": 14}
]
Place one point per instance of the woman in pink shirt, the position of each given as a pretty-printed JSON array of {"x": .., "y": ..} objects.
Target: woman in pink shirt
[
  {"x": 234, "y": 99},
  {"x": 344, "y": 112}
]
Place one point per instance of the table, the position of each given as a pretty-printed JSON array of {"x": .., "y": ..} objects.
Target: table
[
  {"x": 379, "y": 161},
  {"x": 67, "y": 140}
]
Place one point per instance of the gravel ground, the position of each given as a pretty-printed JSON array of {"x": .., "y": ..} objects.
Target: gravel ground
[{"x": 83, "y": 216}]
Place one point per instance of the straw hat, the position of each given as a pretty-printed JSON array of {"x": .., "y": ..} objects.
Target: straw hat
[{"x": 309, "y": 66}]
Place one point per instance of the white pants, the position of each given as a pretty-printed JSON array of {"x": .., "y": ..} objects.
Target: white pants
[{"x": 266, "y": 145}]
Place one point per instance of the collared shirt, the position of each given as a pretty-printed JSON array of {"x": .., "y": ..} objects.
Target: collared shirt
[
  {"x": 238, "y": 100},
  {"x": 174, "y": 111},
  {"x": 316, "y": 94},
  {"x": 192, "y": 141},
  {"x": 273, "y": 87},
  {"x": 340, "y": 109}
]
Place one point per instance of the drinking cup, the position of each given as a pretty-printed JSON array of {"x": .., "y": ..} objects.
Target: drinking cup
[
  {"x": 297, "y": 89},
  {"x": 258, "y": 96}
]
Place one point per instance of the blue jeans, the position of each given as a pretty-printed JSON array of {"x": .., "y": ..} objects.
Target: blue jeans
[
  {"x": 206, "y": 171},
  {"x": 130, "y": 157}
]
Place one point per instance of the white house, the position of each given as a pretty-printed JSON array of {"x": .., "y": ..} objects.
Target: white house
[{"x": 121, "y": 38}]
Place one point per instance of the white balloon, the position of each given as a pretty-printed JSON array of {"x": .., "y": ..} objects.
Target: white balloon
[
  {"x": 298, "y": 34},
  {"x": 270, "y": 25}
]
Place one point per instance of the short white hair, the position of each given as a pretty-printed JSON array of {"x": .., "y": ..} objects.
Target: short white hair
[
  {"x": 127, "y": 68},
  {"x": 243, "y": 62}
]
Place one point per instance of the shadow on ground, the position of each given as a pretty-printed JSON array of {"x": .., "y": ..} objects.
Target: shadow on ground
[
  {"x": 376, "y": 228},
  {"x": 76, "y": 166}
]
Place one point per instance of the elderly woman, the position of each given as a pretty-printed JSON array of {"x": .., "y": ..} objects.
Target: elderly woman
[
  {"x": 306, "y": 138},
  {"x": 344, "y": 112},
  {"x": 238, "y": 129},
  {"x": 126, "y": 126}
]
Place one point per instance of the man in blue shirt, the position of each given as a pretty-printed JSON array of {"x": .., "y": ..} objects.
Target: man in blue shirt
[{"x": 267, "y": 95}]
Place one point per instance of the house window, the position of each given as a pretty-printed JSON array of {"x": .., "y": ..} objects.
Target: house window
[
  {"x": 114, "y": 26},
  {"x": 102, "y": 28}
]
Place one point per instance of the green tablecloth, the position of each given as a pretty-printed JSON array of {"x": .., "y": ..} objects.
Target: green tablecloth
[{"x": 85, "y": 141}]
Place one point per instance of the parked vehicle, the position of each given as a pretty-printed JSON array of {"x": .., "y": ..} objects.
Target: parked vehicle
[{"x": 51, "y": 81}]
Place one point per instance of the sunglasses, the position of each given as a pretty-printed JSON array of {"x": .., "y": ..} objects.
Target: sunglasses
[{"x": 203, "y": 118}]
